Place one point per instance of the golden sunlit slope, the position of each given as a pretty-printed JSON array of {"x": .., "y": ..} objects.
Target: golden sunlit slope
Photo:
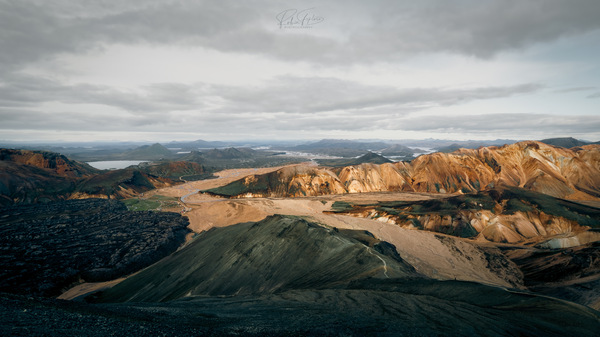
[{"x": 564, "y": 173}]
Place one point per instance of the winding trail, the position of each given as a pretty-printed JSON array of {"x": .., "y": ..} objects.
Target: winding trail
[{"x": 385, "y": 270}]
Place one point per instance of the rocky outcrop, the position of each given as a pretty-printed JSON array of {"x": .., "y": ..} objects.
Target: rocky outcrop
[
  {"x": 508, "y": 215},
  {"x": 45, "y": 248},
  {"x": 565, "y": 173}
]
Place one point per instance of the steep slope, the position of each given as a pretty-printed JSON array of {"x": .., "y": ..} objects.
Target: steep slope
[
  {"x": 51, "y": 161},
  {"x": 21, "y": 183},
  {"x": 570, "y": 273},
  {"x": 564, "y": 173},
  {"x": 276, "y": 254},
  {"x": 28, "y": 177},
  {"x": 292, "y": 181}
]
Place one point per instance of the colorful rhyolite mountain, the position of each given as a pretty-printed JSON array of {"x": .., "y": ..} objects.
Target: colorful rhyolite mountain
[{"x": 564, "y": 173}]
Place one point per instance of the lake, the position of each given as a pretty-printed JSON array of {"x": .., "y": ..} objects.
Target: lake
[{"x": 114, "y": 164}]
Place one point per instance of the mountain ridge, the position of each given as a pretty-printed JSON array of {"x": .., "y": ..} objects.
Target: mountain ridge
[{"x": 564, "y": 173}]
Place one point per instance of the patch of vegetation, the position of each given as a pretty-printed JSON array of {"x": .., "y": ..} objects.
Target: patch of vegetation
[
  {"x": 341, "y": 206},
  {"x": 196, "y": 177},
  {"x": 517, "y": 205},
  {"x": 153, "y": 203},
  {"x": 388, "y": 210},
  {"x": 136, "y": 204}
]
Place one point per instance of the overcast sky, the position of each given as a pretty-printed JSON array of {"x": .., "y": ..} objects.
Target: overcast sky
[{"x": 239, "y": 70}]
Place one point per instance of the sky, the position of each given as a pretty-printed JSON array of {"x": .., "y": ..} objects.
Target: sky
[{"x": 145, "y": 70}]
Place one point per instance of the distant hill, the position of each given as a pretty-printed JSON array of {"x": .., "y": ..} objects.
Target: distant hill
[
  {"x": 469, "y": 144},
  {"x": 398, "y": 150},
  {"x": 197, "y": 144},
  {"x": 341, "y": 147},
  {"x": 123, "y": 183},
  {"x": 229, "y": 153},
  {"x": 193, "y": 156},
  {"x": 372, "y": 158},
  {"x": 148, "y": 152},
  {"x": 449, "y": 148},
  {"x": 175, "y": 170},
  {"x": 369, "y": 157},
  {"x": 28, "y": 184},
  {"x": 567, "y": 142},
  {"x": 30, "y": 177},
  {"x": 52, "y": 161}
]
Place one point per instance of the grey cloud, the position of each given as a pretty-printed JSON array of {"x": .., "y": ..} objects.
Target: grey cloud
[
  {"x": 283, "y": 94},
  {"x": 481, "y": 28},
  {"x": 314, "y": 95},
  {"x": 507, "y": 125},
  {"x": 594, "y": 95},
  {"x": 30, "y": 91},
  {"x": 503, "y": 123},
  {"x": 388, "y": 30},
  {"x": 575, "y": 89}
]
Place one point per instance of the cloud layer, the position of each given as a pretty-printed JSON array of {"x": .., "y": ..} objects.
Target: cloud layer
[{"x": 374, "y": 35}]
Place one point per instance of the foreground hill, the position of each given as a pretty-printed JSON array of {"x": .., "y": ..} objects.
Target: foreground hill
[
  {"x": 565, "y": 173},
  {"x": 276, "y": 254},
  {"x": 275, "y": 276}
]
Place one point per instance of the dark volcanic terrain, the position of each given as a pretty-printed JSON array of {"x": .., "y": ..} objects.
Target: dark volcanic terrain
[
  {"x": 46, "y": 248},
  {"x": 286, "y": 275},
  {"x": 498, "y": 241}
]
